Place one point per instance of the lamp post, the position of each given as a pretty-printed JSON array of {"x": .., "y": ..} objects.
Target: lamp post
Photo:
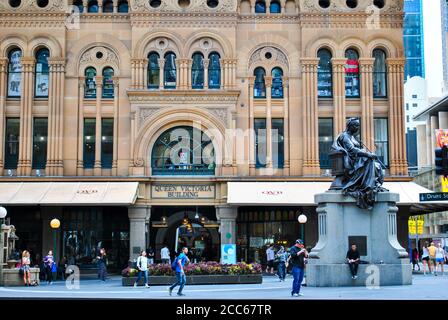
[
  {"x": 302, "y": 220},
  {"x": 54, "y": 224},
  {"x": 3, "y": 214}
]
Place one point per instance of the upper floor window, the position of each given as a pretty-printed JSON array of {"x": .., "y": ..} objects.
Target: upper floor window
[
  {"x": 324, "y": 74},
  {"x": 123, "y": 6},
  {"x": 277, "y": 83},
  {"x": 42, "y": 73},
  {"x": 197, "y": 71},
  {"x": 153, "y": 70},
  {"x": 12, "y": 134},
  {"x": 92, "y": 6},
  {"x": 14, "y": 73},
  {"x": 260, "y": 6},
  {"x": 352, "y": 74},
  {"x": 79, "y": 5},
  {"x": 108, "y": 6},
  {"x": 259, "y": 85},
  {"x": 275, "y": 7},
  {"x": 40, "y": 137},
  {"x": 170, "y": 71},
  {"x": 214, "y": 71},
  {"x": 379, "y": 74},
  {"x": 108, "y": 83},
  {"x": 90, "y": 87}
]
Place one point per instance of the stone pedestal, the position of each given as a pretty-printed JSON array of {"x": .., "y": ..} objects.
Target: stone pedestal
[{"x": 386, "y": 261}]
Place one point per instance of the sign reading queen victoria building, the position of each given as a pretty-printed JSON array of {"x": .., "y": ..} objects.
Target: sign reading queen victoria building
[{"x": 174, "y": 191}]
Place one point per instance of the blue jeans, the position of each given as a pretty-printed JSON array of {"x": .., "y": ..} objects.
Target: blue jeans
[
  {"x": 281, "y": 270},
  {"x": 181, "y": 279},
  {"x": 297, "y": 273},
  {"x": 102, "y": 272},
  {"x": 145, "y": 276}
]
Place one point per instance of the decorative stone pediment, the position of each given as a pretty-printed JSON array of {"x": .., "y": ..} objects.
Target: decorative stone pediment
[{"x": 188, "y": 7}]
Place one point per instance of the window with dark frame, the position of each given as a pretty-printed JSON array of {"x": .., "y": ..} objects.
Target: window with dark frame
[
  {"x": 89, "y": 143},
  {"x": 40, "y": 138},
  {"x": 107, "y": 142},
  {"x": 12, "y": 135}
]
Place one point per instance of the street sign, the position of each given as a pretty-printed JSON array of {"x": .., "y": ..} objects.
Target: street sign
[{"x": 434, "y": 196}]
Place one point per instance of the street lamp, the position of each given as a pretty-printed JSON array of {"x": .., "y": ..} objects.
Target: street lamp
[
  {"x": 302, "y": 220},
  {"x": 3, "y": 214},
  {"x": 54, "y": 224}
]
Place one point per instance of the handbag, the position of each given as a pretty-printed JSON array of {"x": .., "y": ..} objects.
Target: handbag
[{"x": 21, "y": 270}]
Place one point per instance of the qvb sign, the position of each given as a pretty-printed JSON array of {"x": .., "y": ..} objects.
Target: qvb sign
[{"x": 434, "y": 196}]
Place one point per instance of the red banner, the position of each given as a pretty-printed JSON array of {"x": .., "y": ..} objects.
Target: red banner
[{"x": 352, "y": 66}]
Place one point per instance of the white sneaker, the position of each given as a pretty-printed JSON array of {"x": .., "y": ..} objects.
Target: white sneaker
[
  {"x": 300, "y": 294},
  {"x": 146, "y": 286},
  {"x": 135, "y": 285},
  {"x": 356, "y": 277},
  {"x": 295, "y": 295}
]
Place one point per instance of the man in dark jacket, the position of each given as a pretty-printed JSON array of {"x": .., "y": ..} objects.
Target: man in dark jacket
[
  {"x": 353, "y": 260},
  {"x": 298, "y": 256}
]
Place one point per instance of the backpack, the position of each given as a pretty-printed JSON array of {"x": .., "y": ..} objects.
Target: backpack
[{"x": 174, "y": 264}]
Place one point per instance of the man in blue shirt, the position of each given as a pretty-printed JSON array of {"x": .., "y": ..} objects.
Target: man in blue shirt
[{"x": 181, "y": 279}]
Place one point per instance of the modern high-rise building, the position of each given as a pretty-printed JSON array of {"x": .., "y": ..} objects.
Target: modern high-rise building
[{"x": 413, "y": 38}]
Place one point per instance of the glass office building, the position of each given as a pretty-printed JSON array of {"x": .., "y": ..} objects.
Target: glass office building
[{"x": 413, "y": 38}]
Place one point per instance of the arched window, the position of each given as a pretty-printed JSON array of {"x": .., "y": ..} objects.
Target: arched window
[
  {"x": 123, "y": 6},
  {"x": 108, "y": 6},
  {"x": 108, "y": 83},
  {"x": 275, "y": 7},
  {"x": 259, "y": 85},
  {"x": 153, "y": 70},
  {"x": 170, "y": 71},
  {"x": 197, "y": 71},
  {"x": 277, "y": 83},
  {"x": 379, "y": 74},
  {"x": 324, "y": 74},
  {"x": 90, "y": 87},
  {"x": 183, "y": 150},
  {"x": 260, "y": 6},
  {"x": 42, "y": 73},
  {"x": 14, "y": 72},
  {"x": 352, "y": 74},
  {"x": 214, "y": 71},
  {"x": 92, "y": 6},
  {"x": 79, "y": 5}
]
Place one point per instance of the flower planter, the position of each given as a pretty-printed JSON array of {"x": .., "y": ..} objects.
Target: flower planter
[{"x": 198, "y": 279}]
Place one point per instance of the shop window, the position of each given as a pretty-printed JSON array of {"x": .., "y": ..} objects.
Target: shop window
[
  {"x": 278, "y": 153},
  {"x": 381, "y": 133},
  {"x": 197, "y": 71},
  {"x": 379, "y": 74},
  {"x": 14, "y": 73},
  {"x": 260, "y": 6},
  {"x": 275, "y": 7},
  {"x": 170, "y": 71},
  {"x": 108, "y": 83},
  {"x": 324, "y": 74},
  {"x": 42, "y": 73},
  {"x": 90, "y": 86},
  {"x": 12, "y": 134},
  {"x": 107, "y": 142},
  {"x": 153, "y": 71},
  {"x": 325, "y": 141},
  {"x": 89, "y": 143},
  {"x": 352, "y": 74},
  {"x": 40, "y": 137},
  {"x": 277, "y": 83},
  {"x": 260, "y": 142},
  {"x": 214, "y": 71},
  {"x": 259, "y": 85}
]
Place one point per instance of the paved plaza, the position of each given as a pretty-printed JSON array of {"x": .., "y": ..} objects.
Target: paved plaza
[{"x": 423, "y": 288}]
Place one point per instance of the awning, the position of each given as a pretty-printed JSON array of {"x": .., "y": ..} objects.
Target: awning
[
  {"x": 68, "y": 193},
  {"x": 302, "y": 194}
]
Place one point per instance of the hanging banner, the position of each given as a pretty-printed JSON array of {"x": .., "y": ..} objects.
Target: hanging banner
[
  {"x": 228, "y": 253},
  {"x": 352, "y": 66},
  {"x": 441, "y": 137}
]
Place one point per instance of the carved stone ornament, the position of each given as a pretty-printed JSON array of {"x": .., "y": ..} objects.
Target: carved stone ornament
[
  {"x": 31, "y": 5},
  {"x": 99, "y": 56},
  {"x": 144, "y": 114},
  {"x": 391, "y": 6},
  {"x": 139, "y": 162},
  {"x": 194, "y": 6},
  {"x": 268, "y": 55}
]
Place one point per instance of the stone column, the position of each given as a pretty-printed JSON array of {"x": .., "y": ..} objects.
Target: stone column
[
  {"x": 286, "y": 123},
  {"x": 311, "y": 165},
  {"x": 145, "y": 74},
  {"x": 434, "y": 126},
  {"x": 84, "y": 4},
  {"x": 116, "y": 119},
  {"x": 398, "y": 162},
  {"x": 161, "y": 72},
  {"x": 182, "y": 76},
  {"x": 134, "y": 73},
  {"x": 367, "y": 129},
  {"x": 100, "y": 6},
  {"x": 55, "y": 117},
  {"x": 99, "y": 94},
  {"x": 251, "y": 81},
  {"x": 115, "y": 6},
  {"x": 443, "y": 120},
  {"x": 206, "y": 63},
  {"x": 80, "y": 159},
  {"x": 26, "y": 117},
  {"x": 429, "y": 151},
  {"x": 338, "y": 95},
  {"x": 227, "y": 218},
  {"x": 268, "y": 81},
  {"x": 137, "y": 229},
  {"x": 252, "y": 6},
  {"x": 3, "y": 94},
  {"x": 422, "y": 160}
]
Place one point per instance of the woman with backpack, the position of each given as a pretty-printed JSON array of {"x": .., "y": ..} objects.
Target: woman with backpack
[
  {"x": 142, "y": 266},
  {"x": 26, "y": 261}
]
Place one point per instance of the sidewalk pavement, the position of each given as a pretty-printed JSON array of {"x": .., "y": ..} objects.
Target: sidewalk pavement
[{"x": 423, "y": 288}]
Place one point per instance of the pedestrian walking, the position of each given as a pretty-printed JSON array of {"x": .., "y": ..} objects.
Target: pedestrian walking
[
  {"x": 26, "y": 261},
  {"x": 298, "y": 256},
  {"x": 102, "y": 265},
  {"x": 270, "y": 256},
  {"x": 432, "y": 258},
  {"x": 353, "y": 259},
  {"x": 142, "y": 266},
  {"x": 440, "y": 258},
  {"x": 165, "y": 255},
  {"x": 181, "y": 279},
  {"x": 48, "y": 263},
  {"x": 282, "y": 257},
  {"x": 150, "y": 254},
  {"x": 425, "y": 258},
  {"x": 415, "y": 258}
]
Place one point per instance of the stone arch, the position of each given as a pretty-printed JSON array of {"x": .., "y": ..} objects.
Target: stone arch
[
  {"x": 11, "y": 41},
  {"x": 142, "y": 47},
  {"x": 45, "y": 41},
  {"x": 257, "y": 59},
  {"x": 273, "y": 40},
  {"x": 100, "y": 39},
  {"x": 388, "y": 46},
  {"x": 321, "y": 43},
  {"x": 224, "y": 47},
  {"x": 355, "y": 43},
  {"x": 88, "y": 59},
  {"x": 165, "y": 119}
]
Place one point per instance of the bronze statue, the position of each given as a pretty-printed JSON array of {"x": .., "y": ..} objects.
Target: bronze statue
[{"x": 358, "y": 171}]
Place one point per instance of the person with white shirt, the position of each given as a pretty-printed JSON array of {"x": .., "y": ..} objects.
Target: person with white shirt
[
  {"x": 270, "y": 256},
  {"x": 440, "y": 258},
  {"x": 165, "y": 255},
  {"x": 142, "y": 266}
]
